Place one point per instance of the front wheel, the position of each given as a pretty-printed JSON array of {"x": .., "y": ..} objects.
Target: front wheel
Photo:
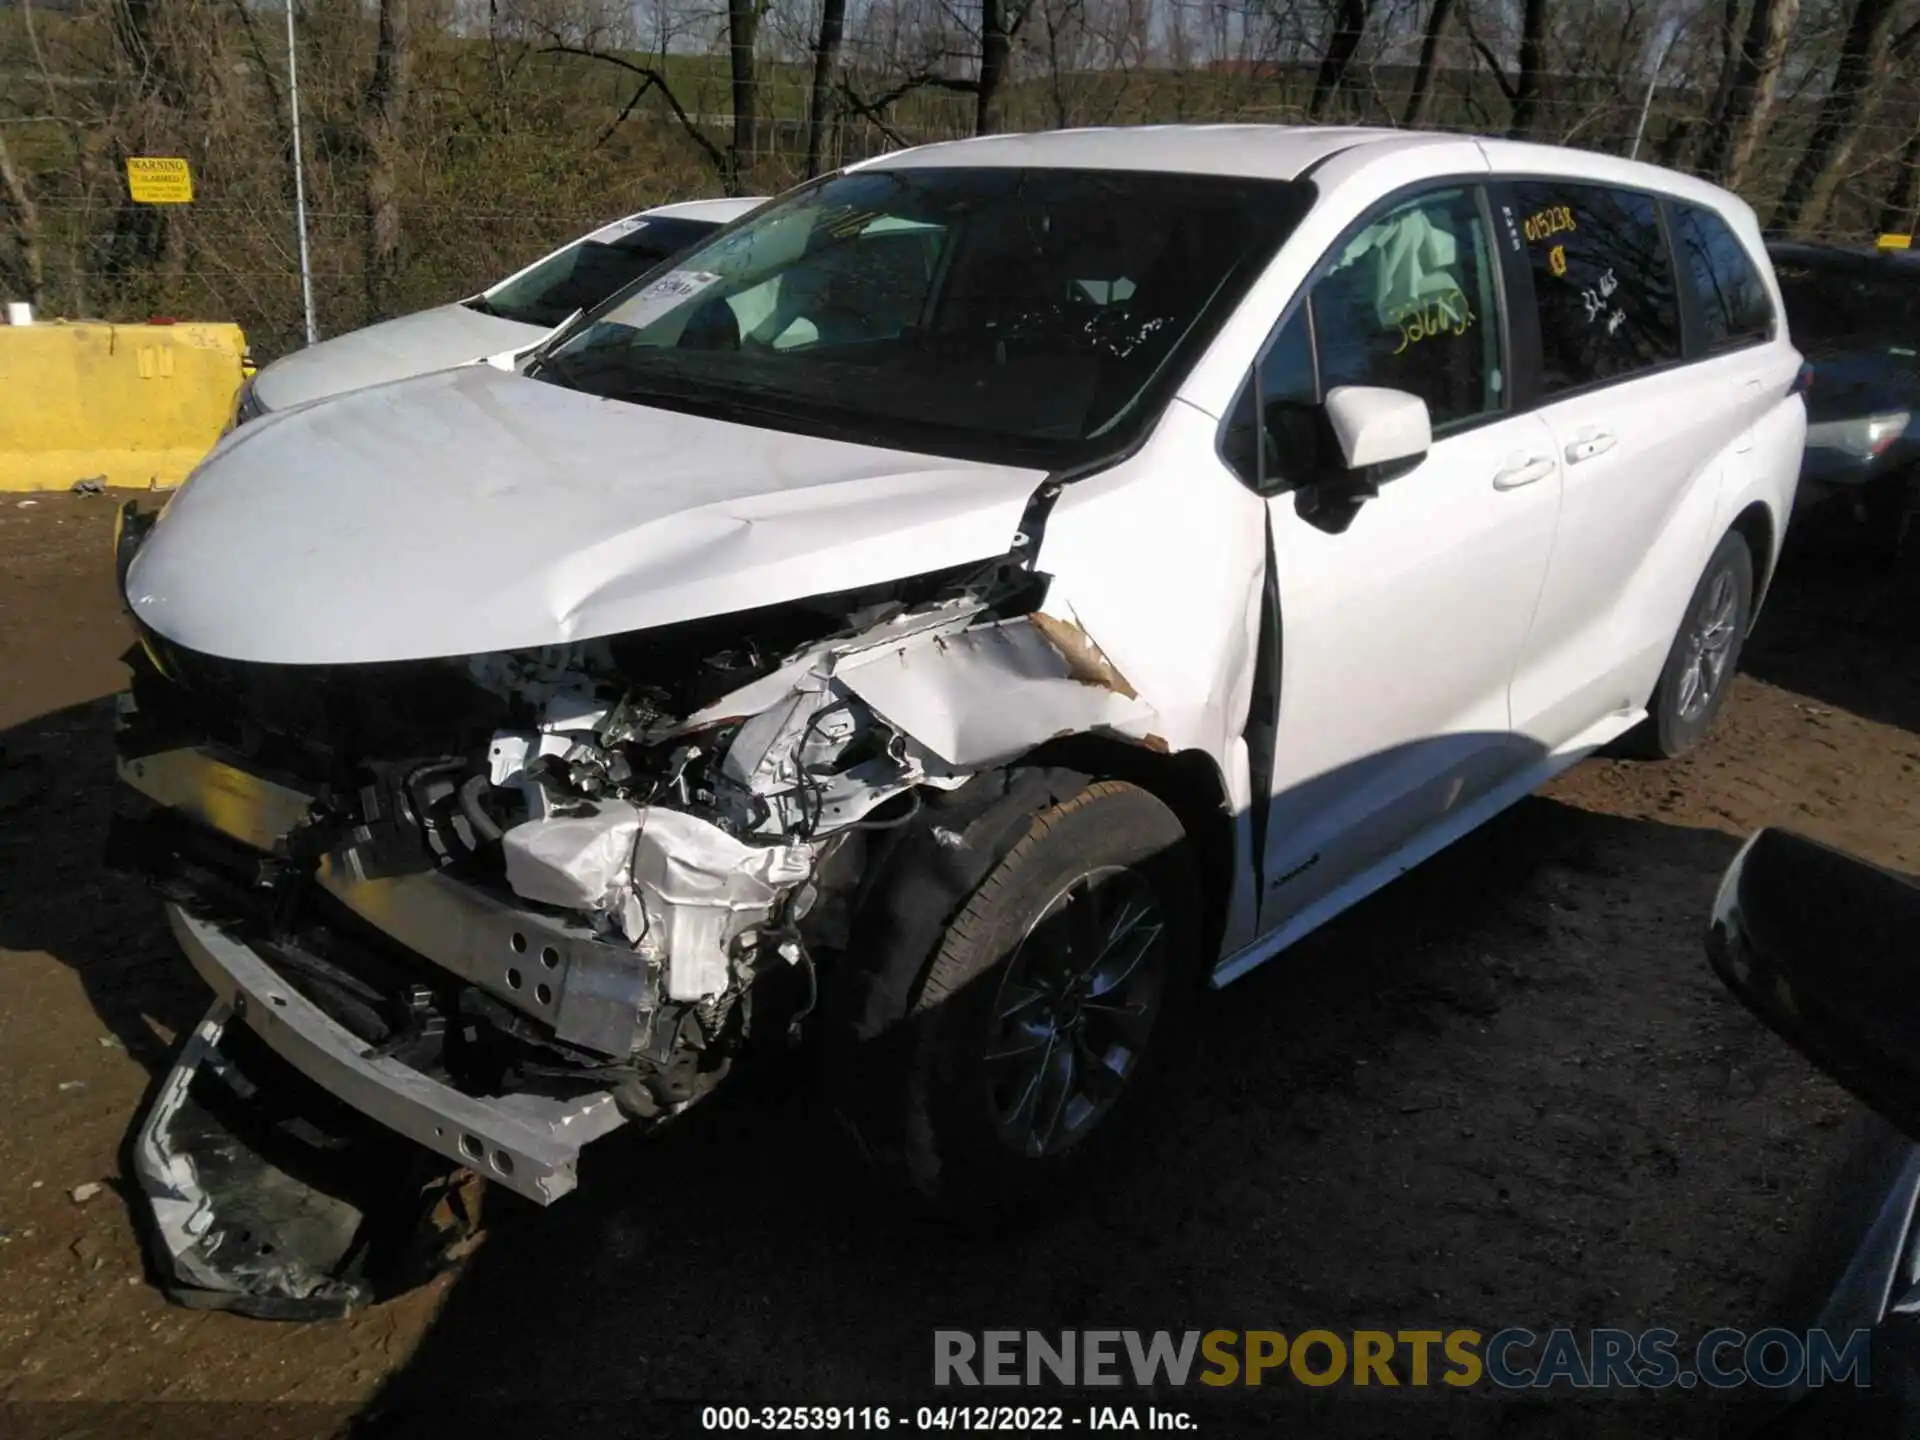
[
  {"x": 1700, "y": 666},
  {"x": 1050, "y": 1000}
]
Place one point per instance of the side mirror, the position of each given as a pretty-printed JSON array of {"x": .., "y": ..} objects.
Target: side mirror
[
  {"x": 1376, "y": 435},
  {"x": 1379, "y": 429},
  {"x": 1822, "y": 947}
]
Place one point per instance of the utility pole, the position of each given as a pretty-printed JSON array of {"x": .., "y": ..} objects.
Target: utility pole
[
  {"x": 1646, "y": 101},
  {"x": 299, "y": 180}
]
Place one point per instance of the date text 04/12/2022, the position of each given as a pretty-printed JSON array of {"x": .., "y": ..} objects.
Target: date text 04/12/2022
[{"x": 927, "y": 1419}]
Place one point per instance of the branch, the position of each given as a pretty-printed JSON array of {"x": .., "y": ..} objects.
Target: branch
[
  {"x": 654, "y": 80},
  {"x": 923, "y": 81},
  {"x": 1507, "y": 87},
  {"x": 873, "y": 112},
  {"x": 876, "y": 108}
]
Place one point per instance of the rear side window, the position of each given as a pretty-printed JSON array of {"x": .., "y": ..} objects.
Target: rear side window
[
  {"x": 1602, "y": 280},
  {"x": 1727, "y": 290}
]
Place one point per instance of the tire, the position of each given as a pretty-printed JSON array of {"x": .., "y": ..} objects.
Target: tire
[
  {"x": 1003, "y": 1083},
  {"x": 1717, "y": 616}
]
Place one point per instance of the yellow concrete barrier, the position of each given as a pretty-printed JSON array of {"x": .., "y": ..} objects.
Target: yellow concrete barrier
[{"x": 133, "y": 405}]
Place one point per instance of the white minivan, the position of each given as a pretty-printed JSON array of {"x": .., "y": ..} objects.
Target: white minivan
[
  {"x": 947, "y": 619},
  {"x": 508, "y": 315}
]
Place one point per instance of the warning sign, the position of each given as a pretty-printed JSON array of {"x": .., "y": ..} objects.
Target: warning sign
[{"x": 152, "y": 181}]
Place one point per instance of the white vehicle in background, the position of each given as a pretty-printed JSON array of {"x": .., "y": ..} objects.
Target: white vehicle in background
[
  {"x": 507, "y": 316},
  {"x": 949, "y": 617}
]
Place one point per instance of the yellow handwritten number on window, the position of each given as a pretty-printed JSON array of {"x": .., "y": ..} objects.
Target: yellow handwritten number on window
[
  {"x": 1448, "y": 315},
  {"x": 1550, "y": 221}
]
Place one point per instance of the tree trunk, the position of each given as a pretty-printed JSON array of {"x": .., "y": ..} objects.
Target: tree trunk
[
  {"x": 386, "y": 115},
  {"x": 1674, "y": 145},
  {"x": 1349, "y": 28},
  {"x": 1742, "y": 120},
  {"x": 1533, "y": 66},
  {"x": 826, "y": 55},
  {"x": 1420, "y": 103},
  {"x": 743, "y": 28},
  {"x": 25, "y": 224},
  {"x": 1842, "y": 114},
  {"x": 996, "y": 46},
  {"x": 1897, "y": 209}
]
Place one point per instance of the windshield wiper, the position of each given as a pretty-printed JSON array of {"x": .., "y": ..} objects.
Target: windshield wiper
[{"x": 697, "y": 400}]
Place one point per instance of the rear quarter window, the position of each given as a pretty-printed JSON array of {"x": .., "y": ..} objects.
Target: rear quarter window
[
  {"x": 1602, "y": 280},
  {"x": 1728, "y": 293}
]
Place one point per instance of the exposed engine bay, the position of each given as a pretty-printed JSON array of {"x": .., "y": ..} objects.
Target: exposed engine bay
[{"x": 503, "y": 904}]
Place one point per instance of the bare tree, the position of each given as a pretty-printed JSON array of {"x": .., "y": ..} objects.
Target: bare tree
[
  {"x": 1898, "y": 212},
  {"x": 1533, "y": 65},
  {"x": 725, "y": 163},
  {"x": 999, "y": 21},
  {"x": 826, "y": 55},
  {"x": 23, "y": 219},
  {"x": 1349, "y": 28},
  {"x": 1420, "y": 102},
  {"x": 1856, "y": 85},
  {"x": 743, "y": 29},
  {"x": 1524, "y": 90},
  {"x": 386, "y": 109},
  {"x": 1736, "y": 130}
]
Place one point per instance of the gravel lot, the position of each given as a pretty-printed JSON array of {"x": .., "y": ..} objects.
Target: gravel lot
[{"x": 1505, "y": 1092}]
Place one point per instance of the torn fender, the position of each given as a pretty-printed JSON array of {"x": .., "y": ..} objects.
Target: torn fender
[{"x": 984, "y": 696}]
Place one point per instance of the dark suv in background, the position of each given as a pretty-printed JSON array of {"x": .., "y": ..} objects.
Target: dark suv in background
[{"x": 1855, "y": 315}]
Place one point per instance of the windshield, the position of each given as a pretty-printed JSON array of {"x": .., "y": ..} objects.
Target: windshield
[
  {"x": 1035, "y": 316},
  {"x": 589, "y": 271},
  {"x": 1868, "y": 306}
]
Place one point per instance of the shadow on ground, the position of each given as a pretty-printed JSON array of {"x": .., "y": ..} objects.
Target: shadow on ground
[
  {"x": 1841, "y": 625},
  {"x": 1504, "y": 1092},
  {"x": 1467, "y": 1103},
  {"x": 56, "y": 797}
]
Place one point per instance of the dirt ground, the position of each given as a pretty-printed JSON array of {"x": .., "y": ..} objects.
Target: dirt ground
[{"x": 1505, "y": 1092}]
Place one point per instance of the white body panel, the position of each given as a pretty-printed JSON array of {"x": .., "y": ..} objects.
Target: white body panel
[
  {"x": 428, "y": 340},
  {"x": 532, "y": 515},
  {"x": 440, "y": 337},
  {"x": 1393, "y": 691},
  {"x": 1468, "y": 634}
]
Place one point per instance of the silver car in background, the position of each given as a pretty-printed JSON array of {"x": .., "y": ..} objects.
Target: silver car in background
[{"x": 507, "y": 316}]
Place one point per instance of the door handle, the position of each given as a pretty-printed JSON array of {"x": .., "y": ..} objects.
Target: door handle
[
  {"x": 1589, "y": 443},
  {"x": 1534, "y": 467}
]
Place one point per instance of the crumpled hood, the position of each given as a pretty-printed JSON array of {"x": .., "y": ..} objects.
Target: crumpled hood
[
  {"x": 435, "y": 339},
  {"x": 475, "y": 510}
]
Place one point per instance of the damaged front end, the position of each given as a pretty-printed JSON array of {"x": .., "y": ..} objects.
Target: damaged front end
[{"x": 498, "y": 906}]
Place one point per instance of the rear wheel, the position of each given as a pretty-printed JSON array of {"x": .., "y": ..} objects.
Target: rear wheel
[
  {"x": 1049, "y": 1002},
  {"x": 1700, "y": 666}
]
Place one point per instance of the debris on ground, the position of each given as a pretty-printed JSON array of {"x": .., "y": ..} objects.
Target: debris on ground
[
  {"x": 80, "y": 1194},
  {"x": 93, "y": 485}
]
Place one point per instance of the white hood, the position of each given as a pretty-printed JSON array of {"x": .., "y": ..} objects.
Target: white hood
[
  {"x": 471, "y": 511},
  {"x": 435, "y": 339}
]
